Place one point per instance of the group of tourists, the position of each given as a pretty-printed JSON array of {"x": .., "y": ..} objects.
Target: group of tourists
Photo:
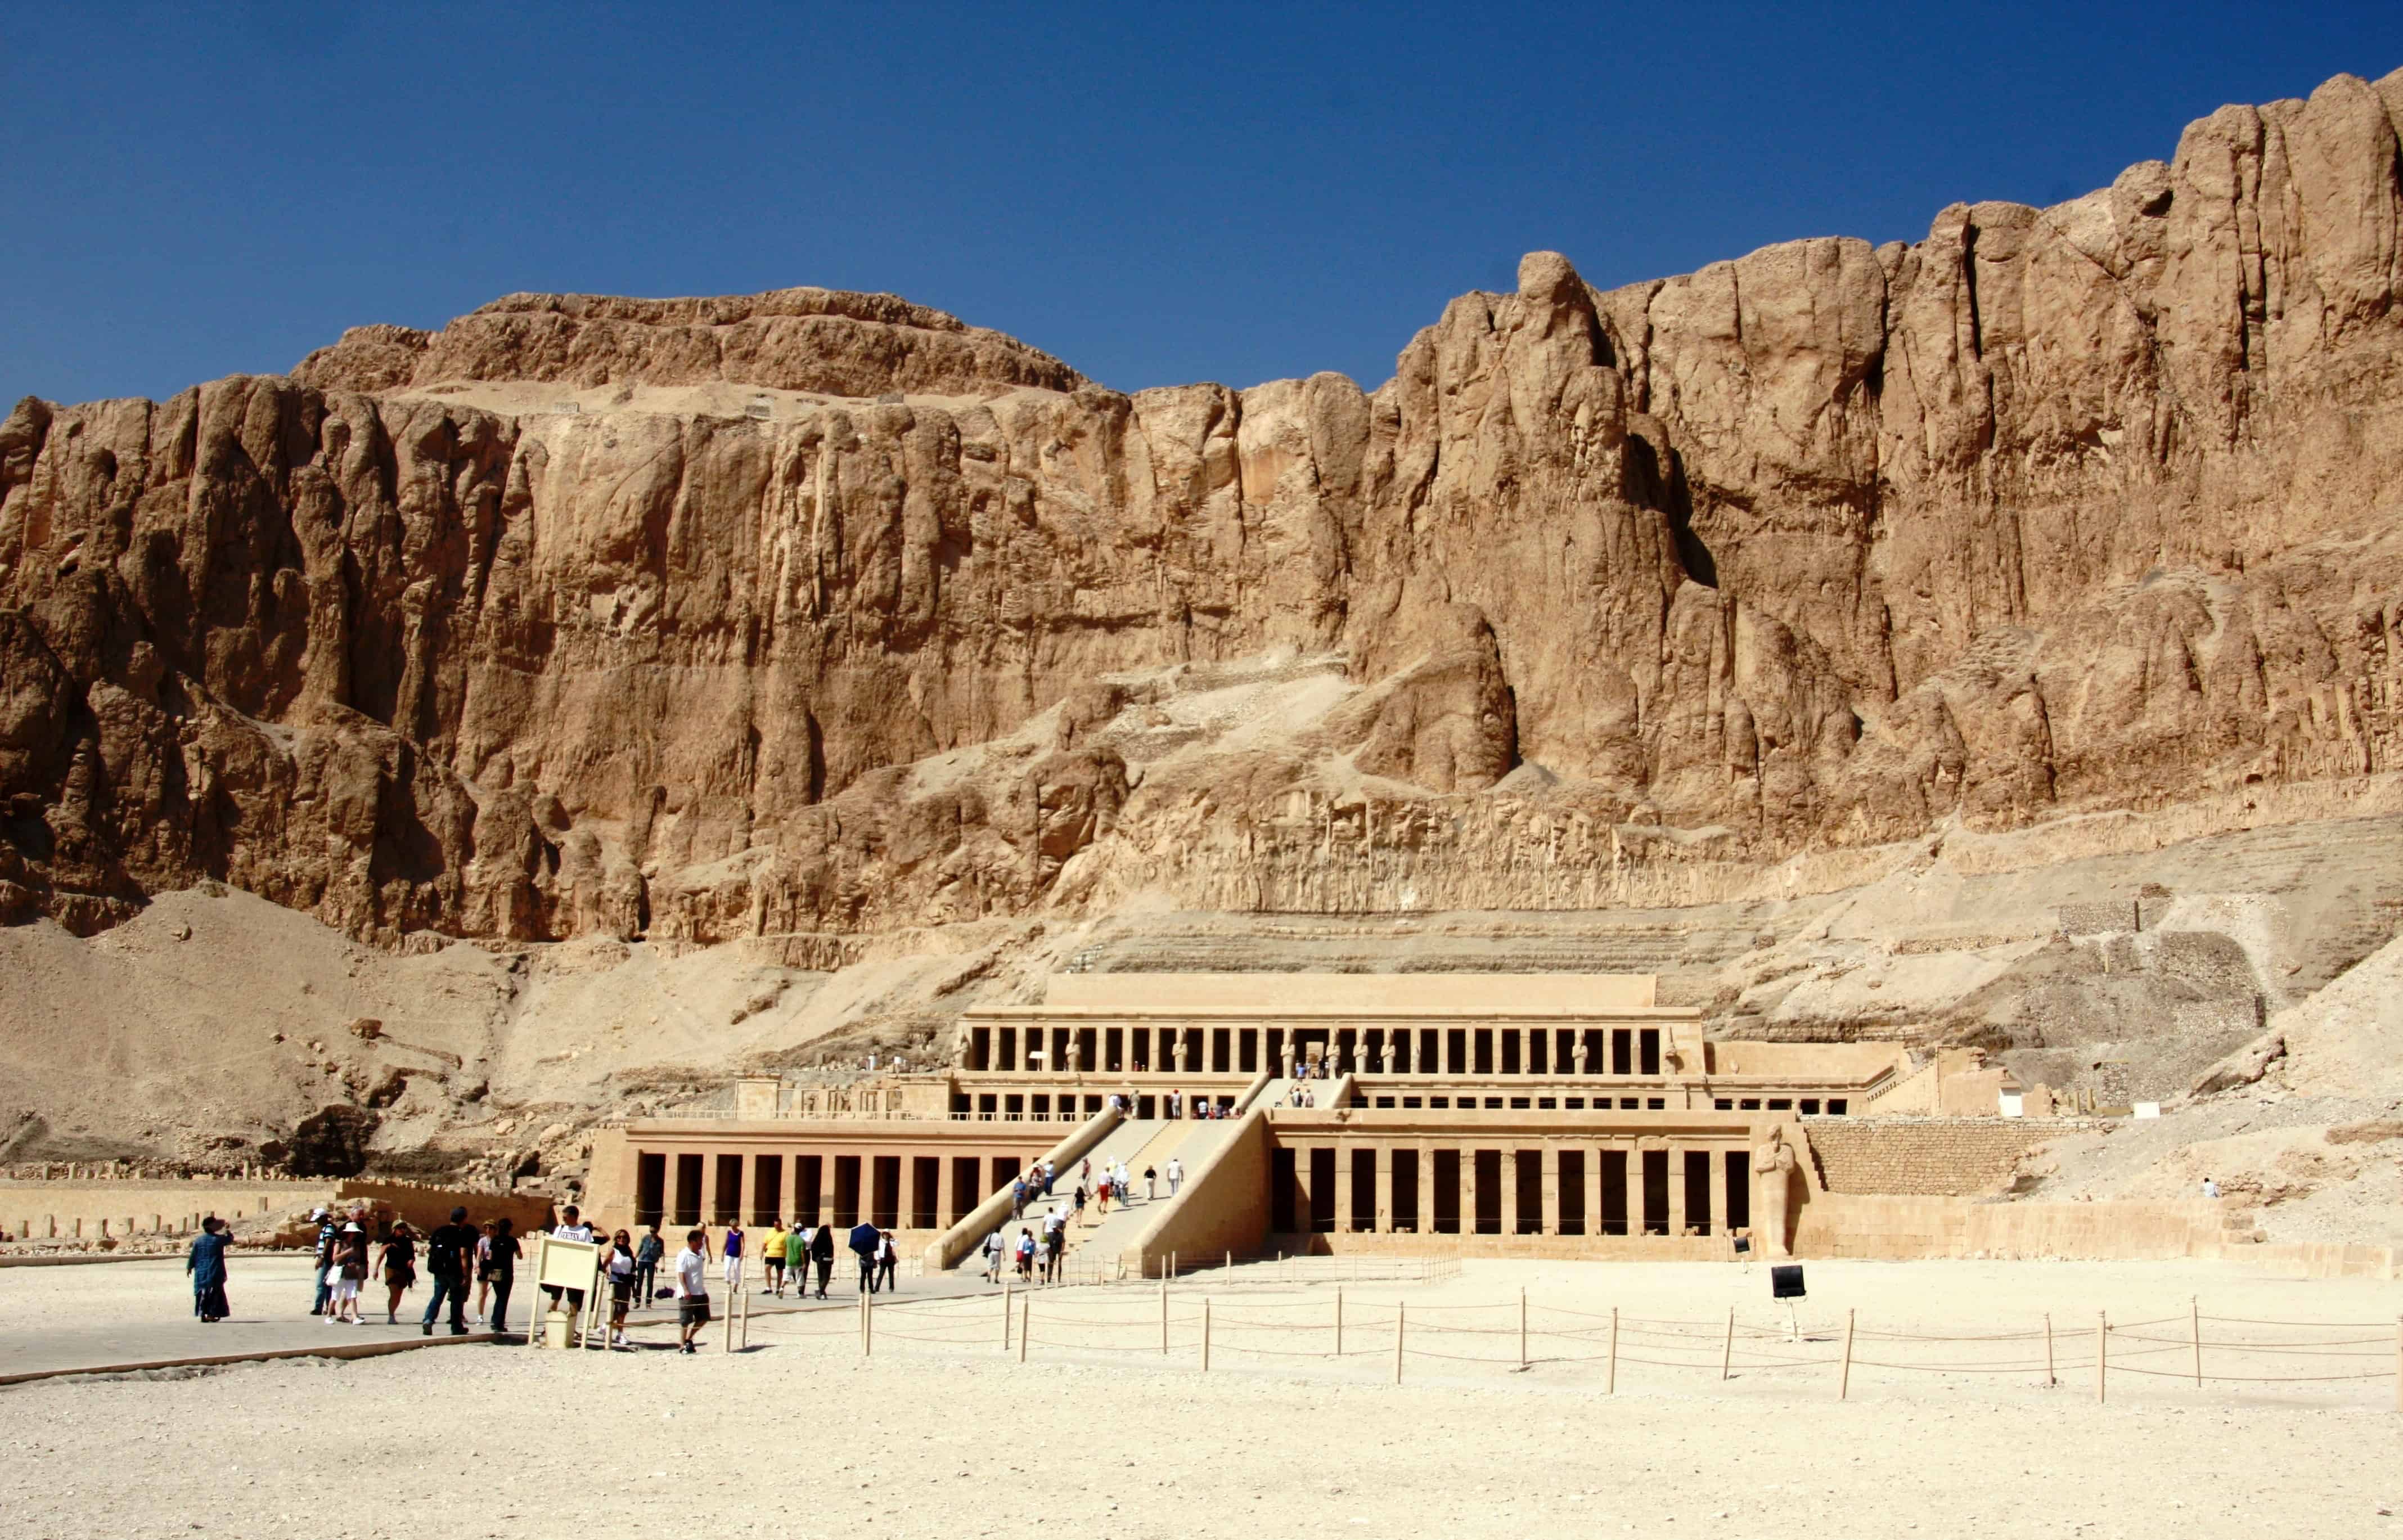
[
  {"x": 1035, "y": 1254},
  {"x": 357, "y": 1248},
  {"x": 790, "y": 1256},
  {"x": 353, "y": 1250}
]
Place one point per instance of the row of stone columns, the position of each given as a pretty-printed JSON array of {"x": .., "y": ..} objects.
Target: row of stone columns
[
  {"x": 955, "y": 1191},
  {"x": 1590, "y": 1176},
  {"x": 1191, "y": 1050}
]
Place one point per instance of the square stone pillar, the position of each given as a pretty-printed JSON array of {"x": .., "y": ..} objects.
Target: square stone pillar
[
  {"x": 1384, "y": 1188},
  {"x": 1593, "y": 1189},
  {"x": 1526, "y": 1050},
  {"x": 1468, "y": 1190},
  {"x": 748, "y": 1165},
  {"x": 1676, "y": 1189},
  {"x": 1719, "y": 1209},
  {"x": 1305, "y": 1208},
  {"x": 1550, "y": 1157}
]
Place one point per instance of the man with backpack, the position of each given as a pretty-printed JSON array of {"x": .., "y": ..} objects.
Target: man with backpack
[{"x": 447, "y": 1251}]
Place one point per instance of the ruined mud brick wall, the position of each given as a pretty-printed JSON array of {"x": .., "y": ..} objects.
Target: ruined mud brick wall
[{"x": 1939, "y": 1158}]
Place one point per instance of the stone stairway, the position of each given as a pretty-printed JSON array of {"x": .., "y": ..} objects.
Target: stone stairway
[
  {"x": 1096, "y": 1244},
  {"x": 1126, "y": 1140}
]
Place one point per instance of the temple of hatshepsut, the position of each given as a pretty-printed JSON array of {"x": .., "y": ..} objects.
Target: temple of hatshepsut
[{"x": 1495, "y": 1115}]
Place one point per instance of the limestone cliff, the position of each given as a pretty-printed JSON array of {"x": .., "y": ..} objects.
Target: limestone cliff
[{"x": 826, "y": 612}]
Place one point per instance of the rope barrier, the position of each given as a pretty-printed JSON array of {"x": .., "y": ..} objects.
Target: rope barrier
[
  {"x": 2256, "y": 1379},
  {"x": 1727, "y": 1345}
]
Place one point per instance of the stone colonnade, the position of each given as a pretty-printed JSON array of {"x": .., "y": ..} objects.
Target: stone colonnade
[
  {"x": 893, "y": 1185},
  {"x": 1199, "y": 1047},
  {"x": 1502, "y": 1184}
]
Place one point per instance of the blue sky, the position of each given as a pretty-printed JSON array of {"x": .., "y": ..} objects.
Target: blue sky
[{"x": 1156, "y": 194}]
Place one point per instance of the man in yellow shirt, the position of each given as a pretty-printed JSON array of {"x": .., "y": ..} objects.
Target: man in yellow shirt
[{"x": 774, "y": 1254}]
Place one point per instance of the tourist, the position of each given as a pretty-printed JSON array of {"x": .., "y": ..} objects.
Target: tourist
[
  {"x": 772, "y": 1254},
  {"x": 504, "y": 1253},
  {"x": 399, "y": 1267},
  {"x": 1076, "y": 1204},
  {"x": 571, "y": 1226},
  {"x": 734, "y": 1256},
  {"x": 206, "y": 1263},
  {"x": 2210, "y": 1187},
  {"x": 1121, "y": 1184},
  {"x": 483, "y": 1272},
  {"x": 349, "y": 1271},
  {"x": 448, "y": 1252},
  {"x": 994, "y": 1247},
  {"x": 692, "y": 1290},
  {"x": 621, "y": 1269},
  {"x": 1018, "y": 1198},
  {"x": 797, "y": 1260},
  {"x": 1050, "y": 1175},
  {"x": 1150, "y": 1183},
  {"x": 1025, "y": 1254},
  {"x": 1175, "y": 1174},
  {"x": 1055, "y": 1244},
  {"x": 862, "y": 1242},
  {"x": 888, "y": 1261},
  {"x": 1102, "y": 1196},
  {"x": 327, "y": 1229},
  {"x": 649, "y": 1254},
  {"x": 822, "y": 1256}
]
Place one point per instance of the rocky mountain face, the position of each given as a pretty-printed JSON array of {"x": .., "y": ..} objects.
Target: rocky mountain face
[{"x": 2056, "y": 511}]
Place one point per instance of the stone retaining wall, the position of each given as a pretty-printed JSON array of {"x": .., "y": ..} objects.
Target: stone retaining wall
[{"x": 1938, "y": 1158}]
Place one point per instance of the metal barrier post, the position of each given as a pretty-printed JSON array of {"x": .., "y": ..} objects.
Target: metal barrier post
[
  {"x": 1206, "y": 1334},
  {"x": 2101, "y": 1352},
  {"x": 1402, "y": 1315},
  {"x": 1611, "y": 1377},
  {"x": 1845, "y": 1379},
  {"x": 1339, "y": 1322},
  {"x": 2194, "y": 1320},
  {"x": 867, "y": 1325},
  {"x": 1523, "y": 1329},
  {"x": 1727, "y": 1347},
  {"x": 2049, "y": 1378},
  {"x": 1025, "y": 1326},
  {"x": 1163, "y": 1319}
]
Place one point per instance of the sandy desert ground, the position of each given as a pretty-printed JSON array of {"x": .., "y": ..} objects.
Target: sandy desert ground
[{"x": 800, "y": 1435}]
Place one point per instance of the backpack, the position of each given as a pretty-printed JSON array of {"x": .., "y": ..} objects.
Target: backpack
[{"x": 442, "y": 1251}]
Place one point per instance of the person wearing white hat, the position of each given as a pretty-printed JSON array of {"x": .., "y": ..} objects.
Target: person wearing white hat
[{"x": 350, "y": 1272}]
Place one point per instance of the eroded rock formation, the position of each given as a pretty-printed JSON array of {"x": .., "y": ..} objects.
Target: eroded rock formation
[{"x": 2056, "y": 509}]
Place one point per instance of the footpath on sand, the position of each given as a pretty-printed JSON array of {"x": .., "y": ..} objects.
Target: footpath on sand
[{"x": 138, "y": 1315}]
